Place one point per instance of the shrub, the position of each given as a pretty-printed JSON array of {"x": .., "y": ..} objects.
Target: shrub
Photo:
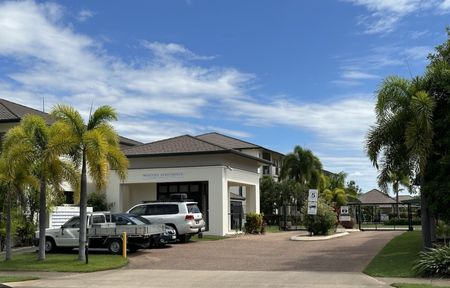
[
  {"x": 402, "y": 221},
  {"x": 321, "y": 223},
  {"x": 253, "y": 223},
  {"x": 97, "y": 200},
  {"x": 347, "y": 224},
  {"x": 435, "y": 262}
]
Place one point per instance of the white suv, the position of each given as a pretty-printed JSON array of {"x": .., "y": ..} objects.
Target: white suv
[{"x": 185, "y": 217}]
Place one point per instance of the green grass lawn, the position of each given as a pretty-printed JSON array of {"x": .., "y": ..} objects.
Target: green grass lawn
[
  {"x": 272, "y": 229},
  {"x": 405, "y": 285},
  {"x": 4, "y": 279},
  {"x": 207, "y": 238},
  {"x": 62, "y": 263},
  {"x": 397, "y": 257}
]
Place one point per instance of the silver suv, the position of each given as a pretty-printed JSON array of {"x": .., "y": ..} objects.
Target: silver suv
[{"x": 185, "y": 217}]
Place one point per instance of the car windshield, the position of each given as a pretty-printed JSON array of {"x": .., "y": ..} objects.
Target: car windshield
[{"x": 193, "y": 208}]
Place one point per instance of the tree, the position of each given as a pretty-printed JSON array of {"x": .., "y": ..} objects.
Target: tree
[
  {"x": 396, "y": 179},
  {"x": 41, "y": 149},
  {"x": 402, "y": 136},
  {"x": 302, "y": 166},
  {"x": 15, "y": 175},
  {"x": 352, "y": 189},
  {"x": 96, "y": 148},
  {"x": 437, "y": 84}
]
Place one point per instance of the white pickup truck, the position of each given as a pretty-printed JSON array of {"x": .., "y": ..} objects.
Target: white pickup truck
[{"x": 104, "y": 231}]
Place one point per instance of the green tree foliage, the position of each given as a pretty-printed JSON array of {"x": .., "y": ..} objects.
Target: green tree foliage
[
  {"x": 437, "y": 84},
  {"x": 402, "y": 136},
  {"x": 97, "y": 200},
  {"x": 96, "y": 146},
  {"x": 41, "y": 149},
  {"x": 276, "y": 194},
  {"x": 302, "y": 166}
]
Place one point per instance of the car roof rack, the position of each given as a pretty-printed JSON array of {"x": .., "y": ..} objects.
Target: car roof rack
[{"x": 168, "y": 201}]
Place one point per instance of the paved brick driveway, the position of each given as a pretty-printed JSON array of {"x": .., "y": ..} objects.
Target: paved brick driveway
[{"x": 270, "y": 252}]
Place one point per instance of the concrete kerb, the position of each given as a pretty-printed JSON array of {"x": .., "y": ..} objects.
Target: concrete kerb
[{"x": 318, "y": 238}]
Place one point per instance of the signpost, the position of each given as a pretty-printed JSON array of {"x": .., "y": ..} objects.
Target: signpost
[
  {"x": 345, "y": 214},
  {"x": 312, "y": 201}
]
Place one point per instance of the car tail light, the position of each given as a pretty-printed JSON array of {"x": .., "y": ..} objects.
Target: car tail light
[{"x": 189, "y": 217}]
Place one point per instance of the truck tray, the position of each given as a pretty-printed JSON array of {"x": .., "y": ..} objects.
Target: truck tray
[{"x": 143, "y": 230}]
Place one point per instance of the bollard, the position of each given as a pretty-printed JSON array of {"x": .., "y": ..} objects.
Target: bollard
[{"x": 124, "y": 244}]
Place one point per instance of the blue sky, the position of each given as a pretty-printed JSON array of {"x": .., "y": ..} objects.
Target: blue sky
[{"x": 276, "y": 73}]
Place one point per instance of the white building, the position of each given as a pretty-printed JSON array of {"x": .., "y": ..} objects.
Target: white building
[
  {"x": 220, "y": 172},
  {"x": 205, "y": 168}
]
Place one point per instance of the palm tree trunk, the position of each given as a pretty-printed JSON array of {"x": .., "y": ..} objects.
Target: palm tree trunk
[
  {"x": 83, "y": 213},
  {"x": 425, "y": 219},
  {"x": 8, "y": 254},
  {"x": 42, "y": 219}
]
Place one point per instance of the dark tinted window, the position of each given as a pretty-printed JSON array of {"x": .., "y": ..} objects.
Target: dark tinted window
[
  {"x": 138, "y": 210},
  {"x": 193, "y": 208},
  {"x": 161, "y": 209}
]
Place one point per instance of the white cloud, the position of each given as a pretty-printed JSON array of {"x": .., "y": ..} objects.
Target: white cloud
[
  {"x": 84, "y": 15},
  {"x": 53, "y": 61},
  {"x": 417, "y": 53},
  {"x": 445, "y": 5},
  {"x": 358, "y": 75},
  {"x": 345, "y": 121},
  {"x": 385, "y": 15}
]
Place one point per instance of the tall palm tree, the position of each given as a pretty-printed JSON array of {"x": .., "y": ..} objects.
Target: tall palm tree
[
  {"x": 97, "y": 149},
  {"x": 402, "y": 136},
  {"x": 41, "y": 149},
  {"x": 302, "y": 166}
]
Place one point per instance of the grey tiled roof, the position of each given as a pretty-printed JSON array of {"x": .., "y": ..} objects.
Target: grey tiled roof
[
  {"x": 177, "y": 145},
  {"x": 13, "y": 112},
  {"x": 375, "y": 196},
  {"x": 128, "y": 141},
  {"x": 226, "y": 141}
]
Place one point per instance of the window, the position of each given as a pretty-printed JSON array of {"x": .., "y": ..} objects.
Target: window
[
  {"x": 73, "y": 223},
  {"x": 138, "y": 210},
  {"x": 167, "y": 209},
  {"x": 266, "y": 170},
  {"x": 98, "y": 219},
  {"x": 266, "y": 156},
  {"x": 192, "y": 208}
]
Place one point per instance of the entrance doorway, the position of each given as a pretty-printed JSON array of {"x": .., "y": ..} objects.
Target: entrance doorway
[{"x": 195, "y": 191}]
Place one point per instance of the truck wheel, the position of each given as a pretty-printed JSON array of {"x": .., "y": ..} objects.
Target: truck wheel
[
  {"x": 115, "y": 246},
  {"x": 184, "y": 238},
  {"x": 49, "y": 245}
]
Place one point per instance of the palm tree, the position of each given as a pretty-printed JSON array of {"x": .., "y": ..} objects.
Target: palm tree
[
  {"x": 97, "y": 148},
  {"x": 15, "y": 175},
  {"x": 402, "y": 136},
  {"x": 41, "y": 149},
  {"x": 302, "y": 166},
  {"x": 396, "y": 179}
]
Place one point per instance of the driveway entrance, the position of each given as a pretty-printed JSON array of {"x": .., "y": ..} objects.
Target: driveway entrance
[{"x": 270, "y": 252}]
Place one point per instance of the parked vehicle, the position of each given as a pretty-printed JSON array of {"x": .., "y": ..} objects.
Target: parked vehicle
[
  {"x": 157, "y": 240},
  {"x": 104, "y": 231},
  {"x": 183, "y": 216}
]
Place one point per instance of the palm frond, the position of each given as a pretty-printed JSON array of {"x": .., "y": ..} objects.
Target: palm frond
[{"x": 101, "y": 115}]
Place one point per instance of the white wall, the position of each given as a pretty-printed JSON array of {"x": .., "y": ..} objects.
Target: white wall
[{"x": 141, "y": 184}]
